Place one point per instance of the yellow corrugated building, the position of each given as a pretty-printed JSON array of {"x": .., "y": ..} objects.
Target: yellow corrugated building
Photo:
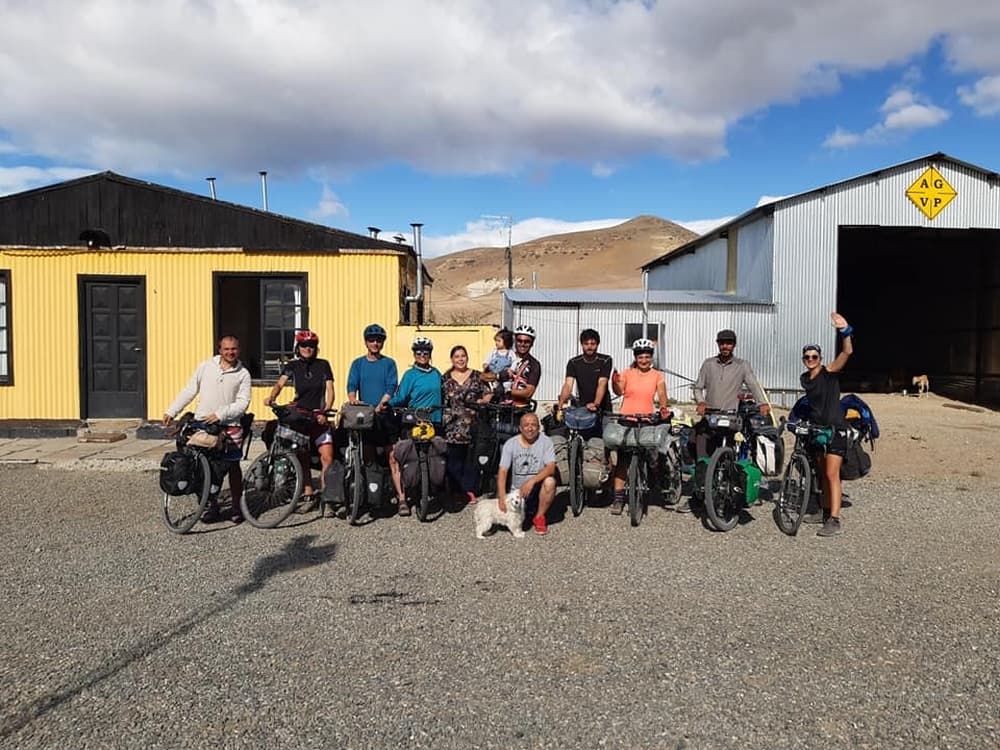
[{"x": 112, "y": 327}]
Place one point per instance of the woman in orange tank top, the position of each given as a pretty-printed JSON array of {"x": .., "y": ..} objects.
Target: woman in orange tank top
[{"x": 639, "y": 386}]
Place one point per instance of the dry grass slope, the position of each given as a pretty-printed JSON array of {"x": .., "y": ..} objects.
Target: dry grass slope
[{"x": 467, "y": 283}]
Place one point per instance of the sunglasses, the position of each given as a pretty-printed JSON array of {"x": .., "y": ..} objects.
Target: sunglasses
[
  {"x": 421, "y": 353},
  {"x": 305, "y": 345},
  {"x": 524, "y": 341},
  {"x": 810, "y": 357},
  {"x": 375, "y": 341}
]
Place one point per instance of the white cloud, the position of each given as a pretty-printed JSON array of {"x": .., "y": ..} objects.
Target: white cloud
[
  {"x": 17, "y": 179},
  {"x": 476, "y": 87},
  {"x": 329, "y": 205},
  {"x": 983, "y": 96},
  {"x": 904, "y": 110},
  {"x": 601, "y": 170}
]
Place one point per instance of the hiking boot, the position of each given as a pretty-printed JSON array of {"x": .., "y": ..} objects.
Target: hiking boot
[
  {"x": 541, "y": 527},
  {"x": 211, "y": 514},
  {"x": 403, "y": 508},
  {"x": 831, "y": 527},
  {"x": 617, "y": 506},
  {"x": 684, "y": 506}
]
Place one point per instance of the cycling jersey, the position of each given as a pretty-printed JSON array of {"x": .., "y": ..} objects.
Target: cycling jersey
[
  {"x": 309, "y": 376},
  {"x": 586, "y": 373},
  {"x": 372, "y": 379}
]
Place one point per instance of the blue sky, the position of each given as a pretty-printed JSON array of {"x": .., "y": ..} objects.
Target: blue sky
[{"x": 561, "y": 114}]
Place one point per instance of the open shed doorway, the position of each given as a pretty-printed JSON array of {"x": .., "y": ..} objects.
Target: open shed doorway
[{"x": 924, "y": 302}]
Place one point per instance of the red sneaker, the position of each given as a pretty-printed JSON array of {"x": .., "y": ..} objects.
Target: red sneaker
[{"x": 541, "y": 527}]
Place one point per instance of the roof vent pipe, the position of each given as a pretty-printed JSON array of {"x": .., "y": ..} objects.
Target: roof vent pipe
[
  {"x": 263, "y": 186},
  {"x": 373, "y": 232},
  {"x": 399, "y": 237},
  {"x": 211, "y": 186},
  {"x": 418, "y": 296}
]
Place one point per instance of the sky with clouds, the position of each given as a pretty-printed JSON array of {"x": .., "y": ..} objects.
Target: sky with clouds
[{"x": 561, "y": 114}]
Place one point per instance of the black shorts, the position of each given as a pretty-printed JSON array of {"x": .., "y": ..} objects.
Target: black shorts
[{"x": 837, "y": 444}]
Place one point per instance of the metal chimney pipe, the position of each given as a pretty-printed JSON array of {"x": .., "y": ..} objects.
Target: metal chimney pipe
[
  {"x": 263, "y": 186},
  {"x": 399, "y": 238},
  {"x": 211, "y": 185},
  {"x": 373, "y": 232},
  {"x": 417, "y": 296}
]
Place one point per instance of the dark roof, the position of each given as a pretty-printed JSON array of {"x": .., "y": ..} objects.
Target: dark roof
[
  {"x": 133, "y": 213},
  {"x": 768, "y": 208}
]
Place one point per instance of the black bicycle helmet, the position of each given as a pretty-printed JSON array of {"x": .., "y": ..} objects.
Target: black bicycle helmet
[{"x": 374, "y": 331}]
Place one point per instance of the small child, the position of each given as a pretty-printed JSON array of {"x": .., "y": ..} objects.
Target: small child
[{"x": 501, "y": 359}]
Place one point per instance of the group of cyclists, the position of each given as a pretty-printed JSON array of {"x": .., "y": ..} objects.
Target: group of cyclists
[{"x": 509, "y": 375}]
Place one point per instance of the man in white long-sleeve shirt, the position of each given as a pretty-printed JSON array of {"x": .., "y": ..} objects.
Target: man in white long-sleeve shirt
[{"x": 222, "y": 385}]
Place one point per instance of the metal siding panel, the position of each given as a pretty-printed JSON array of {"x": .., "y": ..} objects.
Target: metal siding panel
[
  {"x": 558, "y": 330},
  {"x": 703, "y": 269},
  {"x": 345, "y": 293},
  {"x": 755, "y": 258}
]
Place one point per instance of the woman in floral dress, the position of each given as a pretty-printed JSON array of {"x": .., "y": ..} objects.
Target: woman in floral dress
[{"x": 462, "y": 388}]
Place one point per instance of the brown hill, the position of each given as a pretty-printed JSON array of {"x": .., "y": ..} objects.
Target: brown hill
[{"x": 467, "y": 284}]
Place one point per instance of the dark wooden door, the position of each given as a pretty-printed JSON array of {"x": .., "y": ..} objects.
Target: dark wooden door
[{"x": 113, "y": 346}]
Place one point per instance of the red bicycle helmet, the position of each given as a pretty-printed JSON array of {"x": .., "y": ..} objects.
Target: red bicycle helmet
[{"x": 307, "y": 337}]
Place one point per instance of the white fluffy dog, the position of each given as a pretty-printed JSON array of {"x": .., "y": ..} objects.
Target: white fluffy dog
[{"x": 488, "y": 515}]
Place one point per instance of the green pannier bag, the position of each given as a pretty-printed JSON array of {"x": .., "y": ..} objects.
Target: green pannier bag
[{"x": 751, "y": 478}]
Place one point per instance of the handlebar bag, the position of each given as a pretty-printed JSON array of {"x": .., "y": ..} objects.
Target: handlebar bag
[
  {"x": 204, "y": 439},
  {"x": 357, "y": 416},
  {"x": 580, "y": 418}
]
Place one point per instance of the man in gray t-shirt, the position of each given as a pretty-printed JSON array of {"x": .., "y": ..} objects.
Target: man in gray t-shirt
[{"x": 529, "y": 459}]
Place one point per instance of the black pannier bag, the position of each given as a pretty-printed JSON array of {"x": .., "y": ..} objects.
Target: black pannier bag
[
  {"x": 857, "y": 463},
  {"x": 179, "y": 474}
]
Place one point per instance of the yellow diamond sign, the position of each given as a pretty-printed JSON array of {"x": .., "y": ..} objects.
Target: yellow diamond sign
[{"x": 931, "y": 193}]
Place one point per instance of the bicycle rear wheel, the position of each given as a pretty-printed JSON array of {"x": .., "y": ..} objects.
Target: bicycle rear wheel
[
  {"x": 796, "y": 486},
  {"x": 354, "y": 485},
  {"x": 181, "y": 512},
  {"x": 636, "y": 490},
  {"x": 721, "y": 498},
  {"x": 271, "y": 489},
  {"x": 577, "y": 493}
]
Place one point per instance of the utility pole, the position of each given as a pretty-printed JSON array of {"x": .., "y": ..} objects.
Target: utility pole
[{"x": 509, "y": 255}]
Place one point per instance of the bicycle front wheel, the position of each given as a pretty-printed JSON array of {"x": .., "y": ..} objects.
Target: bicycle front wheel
[
  {"x": 271, "y": 489},
  {"x": 577, "y": 493},
  {"x": 423, "y": 507},
  {"x": 636, "y": 490},
  {"x": 721, "y": 497},
  {"x": 796, "y": 486},
  {"x": 354, "y": 481},
  {"x": 181, "y": 512}
]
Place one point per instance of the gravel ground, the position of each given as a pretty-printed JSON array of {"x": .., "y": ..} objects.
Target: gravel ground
[{"x": 119, "y": 634}]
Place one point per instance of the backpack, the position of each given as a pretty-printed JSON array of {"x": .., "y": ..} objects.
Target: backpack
[
  {"x": 178, "y": 474},
  {"x": 859, "y": 416}
]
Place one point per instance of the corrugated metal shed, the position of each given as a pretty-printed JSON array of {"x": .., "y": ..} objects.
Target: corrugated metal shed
[
  {"x": 686, "y": 323},
  {"x": 789, "y": 251}
]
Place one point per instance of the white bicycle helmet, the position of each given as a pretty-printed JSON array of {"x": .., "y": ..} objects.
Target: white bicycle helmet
[
  {"x": 423, "y": 344},
  {"x": 525, "y": 330},
  {"x": 643, "y": 345}
]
